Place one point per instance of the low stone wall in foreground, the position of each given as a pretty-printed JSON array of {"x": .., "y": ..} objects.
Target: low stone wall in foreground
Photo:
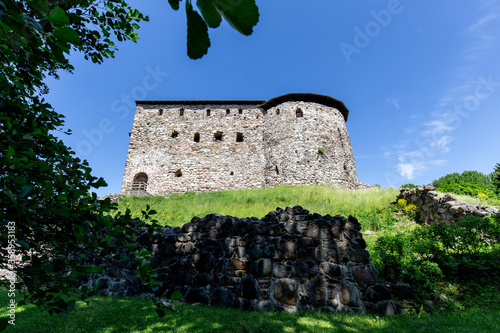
[{"x": 289, "y": 260}]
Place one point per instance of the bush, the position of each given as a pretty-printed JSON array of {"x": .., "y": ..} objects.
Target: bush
[
  {"x": 468, "y": 189},
  {"x": 427, "y": 255},
  {"x": 410, "y": 186},
  {"x": 469, "y": 177}
]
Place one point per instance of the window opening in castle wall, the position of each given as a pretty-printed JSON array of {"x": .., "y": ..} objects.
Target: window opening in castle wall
[
  {"x": 196, "y": 137},
  {"x": 299, "y": 113},
  {"x": 181, "y": 112},
  {"x": 239, "y": 137},
  {"x": 228, "y": 111},
  {"x": 218, "y": 136},
  {"x": 208, "y": 112},
  {"x": 160, "y": 112},
  {"x": 140, "y": 182}
]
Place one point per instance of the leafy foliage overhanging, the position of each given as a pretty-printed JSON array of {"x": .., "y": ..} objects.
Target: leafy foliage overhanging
[{"x": 49, "y": 218}]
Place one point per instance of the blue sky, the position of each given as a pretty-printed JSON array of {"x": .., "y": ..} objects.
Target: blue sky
[{"x": 421, "y": 80}]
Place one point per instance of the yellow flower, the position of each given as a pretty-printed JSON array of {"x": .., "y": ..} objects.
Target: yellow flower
[
  {"x": 402, "y": 203},
  {"x": 410, "y": 208},
  {"x": 482, "y": 196}
]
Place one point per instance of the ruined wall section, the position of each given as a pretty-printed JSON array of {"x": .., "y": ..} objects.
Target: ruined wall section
[
  {"x": 307, "y": 143},
  {"x": 163, "y": 145}
]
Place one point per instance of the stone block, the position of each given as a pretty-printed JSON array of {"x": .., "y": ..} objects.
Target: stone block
[{"x": 286, "y": 291}]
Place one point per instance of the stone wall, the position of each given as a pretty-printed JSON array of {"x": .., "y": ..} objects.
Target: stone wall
[
  {"x": 289, "y": 260},
  {"x": 217, "y": 145},
  {"x": 432, "y": 209}
]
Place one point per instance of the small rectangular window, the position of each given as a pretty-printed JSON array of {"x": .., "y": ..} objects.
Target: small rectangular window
[
  {"x": 208, "y": 112},
  {"x": 181, "y": 112},
  {"x": 239, "y": 137}
]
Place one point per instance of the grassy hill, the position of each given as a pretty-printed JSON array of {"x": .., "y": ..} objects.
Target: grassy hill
[{"x": 398, "y": 246}]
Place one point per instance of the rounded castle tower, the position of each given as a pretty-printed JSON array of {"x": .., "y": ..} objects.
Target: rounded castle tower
[{"x": 181, "y": 146}]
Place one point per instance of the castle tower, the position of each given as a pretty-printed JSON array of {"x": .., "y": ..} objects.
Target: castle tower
[{"x": 181, "y": 146}]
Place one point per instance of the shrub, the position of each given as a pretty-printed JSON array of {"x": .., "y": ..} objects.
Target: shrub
[
  {"x": 409, "y": 185},
  {"x": 469, "y": 177},
  {"x": 427, "y": 255}
]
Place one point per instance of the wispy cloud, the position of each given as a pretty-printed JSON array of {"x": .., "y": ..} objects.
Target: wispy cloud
[
  {"x": 457, "y": 101},
  {"x": 393, "y": 101}
]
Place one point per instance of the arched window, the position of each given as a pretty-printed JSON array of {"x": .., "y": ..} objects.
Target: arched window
[
  {"x": 140, "y": 182},
  {"x": 196, "y": 137}
]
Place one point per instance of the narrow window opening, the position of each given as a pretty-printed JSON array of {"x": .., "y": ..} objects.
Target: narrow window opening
[
  {"x": 277, "y": 170},
  {"x": 208, "y": 112},
  {"x": 218, "y": 136},
  {"x": 174, "y": 134},
  {"x": 181, "y": 112},
  {"x": 228, "y": 111},
  {"x": 299, "y": 113},
  {"x": 178, "y": 173},
  {"x": 160, "y": 112},
  {"x": 196, "y": 137},
  {"x": 277, "y": 111},
  {"x": 239, "y": 137},
  {"x": 231, "y": 173},
  {"x": 240, "y": 111}
]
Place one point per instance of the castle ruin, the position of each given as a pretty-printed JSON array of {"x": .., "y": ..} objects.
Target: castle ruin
[{"x": 183, "y": 146}]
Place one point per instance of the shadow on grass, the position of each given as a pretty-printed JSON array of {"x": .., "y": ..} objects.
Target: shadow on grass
[{"x": 138, "y": 315}]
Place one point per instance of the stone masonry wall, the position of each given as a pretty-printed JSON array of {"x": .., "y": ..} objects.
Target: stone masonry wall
[
  {"x": 292, "y": 146},
  {"x": 289, "y": 260},
  {"x": 432, "y": 209},
  {"x": 257, "y": 146}
]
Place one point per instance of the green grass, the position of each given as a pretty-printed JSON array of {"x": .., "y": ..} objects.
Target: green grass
[
  {"x": 369, "y": 205},
  {"x": 106, "y": 314}
]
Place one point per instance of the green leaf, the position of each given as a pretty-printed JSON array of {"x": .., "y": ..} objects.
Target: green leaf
[
  {"x": 68, "y": 34},
  {"x": 176, "y": 295},
  {"x": 209, "y": 12},
  {"x": 242, "y": 15},
  {"x": 107, "y": 239},
  {"x": 10, "y": 152},
  {"x": 174, "y": 4},
  {"x": 94, "y": 269},
  {"x": 198, "y": 41},
  {"x": 58, "y": 16},
  {"x": 39, "y": 5}
]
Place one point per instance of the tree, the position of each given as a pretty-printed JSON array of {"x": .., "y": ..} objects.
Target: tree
[
  {"x": 495, "y": 178},
  {"x": 469, "y": 177},
  {"x": 48, "y": 215}
]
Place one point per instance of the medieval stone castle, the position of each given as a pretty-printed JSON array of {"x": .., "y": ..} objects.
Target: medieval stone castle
[{"x": 181, "y": 146}]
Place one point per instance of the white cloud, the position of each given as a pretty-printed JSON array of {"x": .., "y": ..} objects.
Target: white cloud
[{"x": 393, "y": 101}]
